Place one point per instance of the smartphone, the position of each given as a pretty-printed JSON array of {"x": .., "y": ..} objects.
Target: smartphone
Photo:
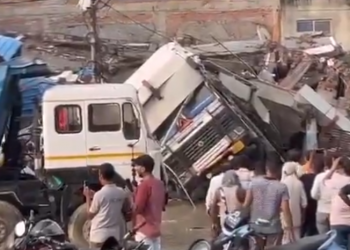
[{"x": 85, "y": 184}]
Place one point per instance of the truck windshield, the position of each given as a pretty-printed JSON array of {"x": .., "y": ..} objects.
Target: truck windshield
[{"x": 201, "y": 99}]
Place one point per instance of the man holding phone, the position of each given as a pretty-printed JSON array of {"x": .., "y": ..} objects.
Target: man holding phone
[{"x": 107, "y": 208}]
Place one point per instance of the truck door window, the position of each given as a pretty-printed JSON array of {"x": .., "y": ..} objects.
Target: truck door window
[
  {"x": 68, "y": 119},
  {"x": 131, "y": 128},
  {"x": 104, "y": 117}
]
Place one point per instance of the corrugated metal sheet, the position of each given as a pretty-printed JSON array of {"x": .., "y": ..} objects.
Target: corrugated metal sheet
[
  {"x": 32, "y": 90},
  {"x": 9, "y": 47}
]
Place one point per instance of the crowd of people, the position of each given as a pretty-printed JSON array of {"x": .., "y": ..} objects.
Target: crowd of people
[
  {"x": 305, "y": 196},
  {"x": 298, "y": 198}
]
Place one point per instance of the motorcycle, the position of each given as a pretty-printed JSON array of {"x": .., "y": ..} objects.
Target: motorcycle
[
  {"x": 238, "y": 233},
  {"x": 36, "y": 234},
  {"x": 127, "y": 244}
]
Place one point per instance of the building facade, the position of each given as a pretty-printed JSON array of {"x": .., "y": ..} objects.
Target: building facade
[
  {"x": 332, "y": 17},
  {"x": 161, "y": 19}
]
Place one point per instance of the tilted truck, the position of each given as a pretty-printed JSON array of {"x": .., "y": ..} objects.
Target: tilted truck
[
  {"x": 76, "y": 128},
  {"x": 197, "y": 129}
]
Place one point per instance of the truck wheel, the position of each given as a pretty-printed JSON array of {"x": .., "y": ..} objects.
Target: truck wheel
[
  {"x": 9, "y": 216},
  {"x": 79, "y": 227}
]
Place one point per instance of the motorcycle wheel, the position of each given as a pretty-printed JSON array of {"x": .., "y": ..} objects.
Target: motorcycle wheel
[
  {"x": 9, "y": 216},
  {"x": 200, "y": 244},
  {"x": 79, "y": 223}
]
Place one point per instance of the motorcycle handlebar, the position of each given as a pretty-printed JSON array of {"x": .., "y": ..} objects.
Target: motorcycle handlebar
[
  {"x": 139, "y": 226},
  {"x": 133, "y": 231}
]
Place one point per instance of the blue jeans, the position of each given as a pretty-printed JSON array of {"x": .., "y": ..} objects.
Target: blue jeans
[
  {"x": 154, "y": 243},
  {"x": 343, "y": 233}
]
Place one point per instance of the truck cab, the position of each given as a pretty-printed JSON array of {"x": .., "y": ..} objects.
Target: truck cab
[{"x": 87, "y": 125}]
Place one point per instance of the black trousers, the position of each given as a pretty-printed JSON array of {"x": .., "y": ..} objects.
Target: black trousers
[{"x": 309, "y": 227}]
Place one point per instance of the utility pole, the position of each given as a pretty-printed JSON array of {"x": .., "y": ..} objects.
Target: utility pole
[{"x": 90, "y": 17}]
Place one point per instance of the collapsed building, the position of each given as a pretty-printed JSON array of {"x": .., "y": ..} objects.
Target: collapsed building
[{"x": 304, "y": 82}]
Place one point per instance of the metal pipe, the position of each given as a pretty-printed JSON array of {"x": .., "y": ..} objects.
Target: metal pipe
[{"x": 181, "y": 185}]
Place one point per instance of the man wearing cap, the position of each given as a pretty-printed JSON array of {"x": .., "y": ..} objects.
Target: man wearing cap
[
  {"x": 107, "y": 208},
  {"x": 148, "y": 204}
]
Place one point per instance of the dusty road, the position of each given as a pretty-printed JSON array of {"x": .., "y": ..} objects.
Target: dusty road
[{"x": 182, "y": 225}]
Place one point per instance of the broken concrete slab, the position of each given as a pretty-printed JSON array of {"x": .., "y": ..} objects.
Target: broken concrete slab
[{"x": 234, "y": 47}]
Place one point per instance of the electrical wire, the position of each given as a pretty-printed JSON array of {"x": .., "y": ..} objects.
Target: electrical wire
[{"x": 153, "y": 31}]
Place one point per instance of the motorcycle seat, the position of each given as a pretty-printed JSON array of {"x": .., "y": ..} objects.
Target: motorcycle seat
[{"x": 307, "y": 243}]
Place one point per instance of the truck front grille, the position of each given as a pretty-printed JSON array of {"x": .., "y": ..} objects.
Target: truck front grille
[{"x": 221, "y": 125}]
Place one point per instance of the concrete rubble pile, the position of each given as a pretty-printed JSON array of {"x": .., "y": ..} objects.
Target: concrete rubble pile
[{"x": 307, "y": 77}]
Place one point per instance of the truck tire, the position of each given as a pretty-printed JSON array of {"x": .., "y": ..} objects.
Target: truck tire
[
  {"x": 9, "y": 216},
  {"x": 79, "y": 222}
]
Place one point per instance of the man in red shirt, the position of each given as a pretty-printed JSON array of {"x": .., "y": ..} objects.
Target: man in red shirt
[{"x": 149, "y": 203}]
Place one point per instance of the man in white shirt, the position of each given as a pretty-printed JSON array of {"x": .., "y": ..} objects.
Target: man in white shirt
[
  {"x": 294, "y": 155},
  {"x": 241, "y": 166},
  {"x": 107, "y": 209},
  {"x": 215, "y": 184},
  {"x": 323, "y": 194}
]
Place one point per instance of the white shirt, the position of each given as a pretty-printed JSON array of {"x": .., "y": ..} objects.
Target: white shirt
[
  {"x": 109, "y": 221},
  {"x": 322, "y": 193},
  {"x": 215, "y": 184},
  {"x": 297, "y": 198}
]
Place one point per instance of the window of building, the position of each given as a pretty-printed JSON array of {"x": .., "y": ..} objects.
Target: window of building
[
  {"x": 104, "y": 117},
  {"x": 318, "y": 25},
  {"x": 131, "y": 128},
  {"x": 68, "y": 119}
]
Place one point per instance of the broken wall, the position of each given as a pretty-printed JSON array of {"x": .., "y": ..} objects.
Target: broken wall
[
  {"x": 336, "y": 12},
  {"x": 160, "y": 20}
]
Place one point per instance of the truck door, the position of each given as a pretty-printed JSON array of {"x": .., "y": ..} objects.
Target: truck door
[
  {"x": 111, "y": 133},
  {"x": 64, "y": 135}
]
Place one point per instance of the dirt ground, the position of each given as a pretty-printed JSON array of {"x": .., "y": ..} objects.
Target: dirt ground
[{"x": 182, "y": 225}]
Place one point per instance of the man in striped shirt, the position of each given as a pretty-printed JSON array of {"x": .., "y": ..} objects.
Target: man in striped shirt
[{"x": 265, "y": 198}]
